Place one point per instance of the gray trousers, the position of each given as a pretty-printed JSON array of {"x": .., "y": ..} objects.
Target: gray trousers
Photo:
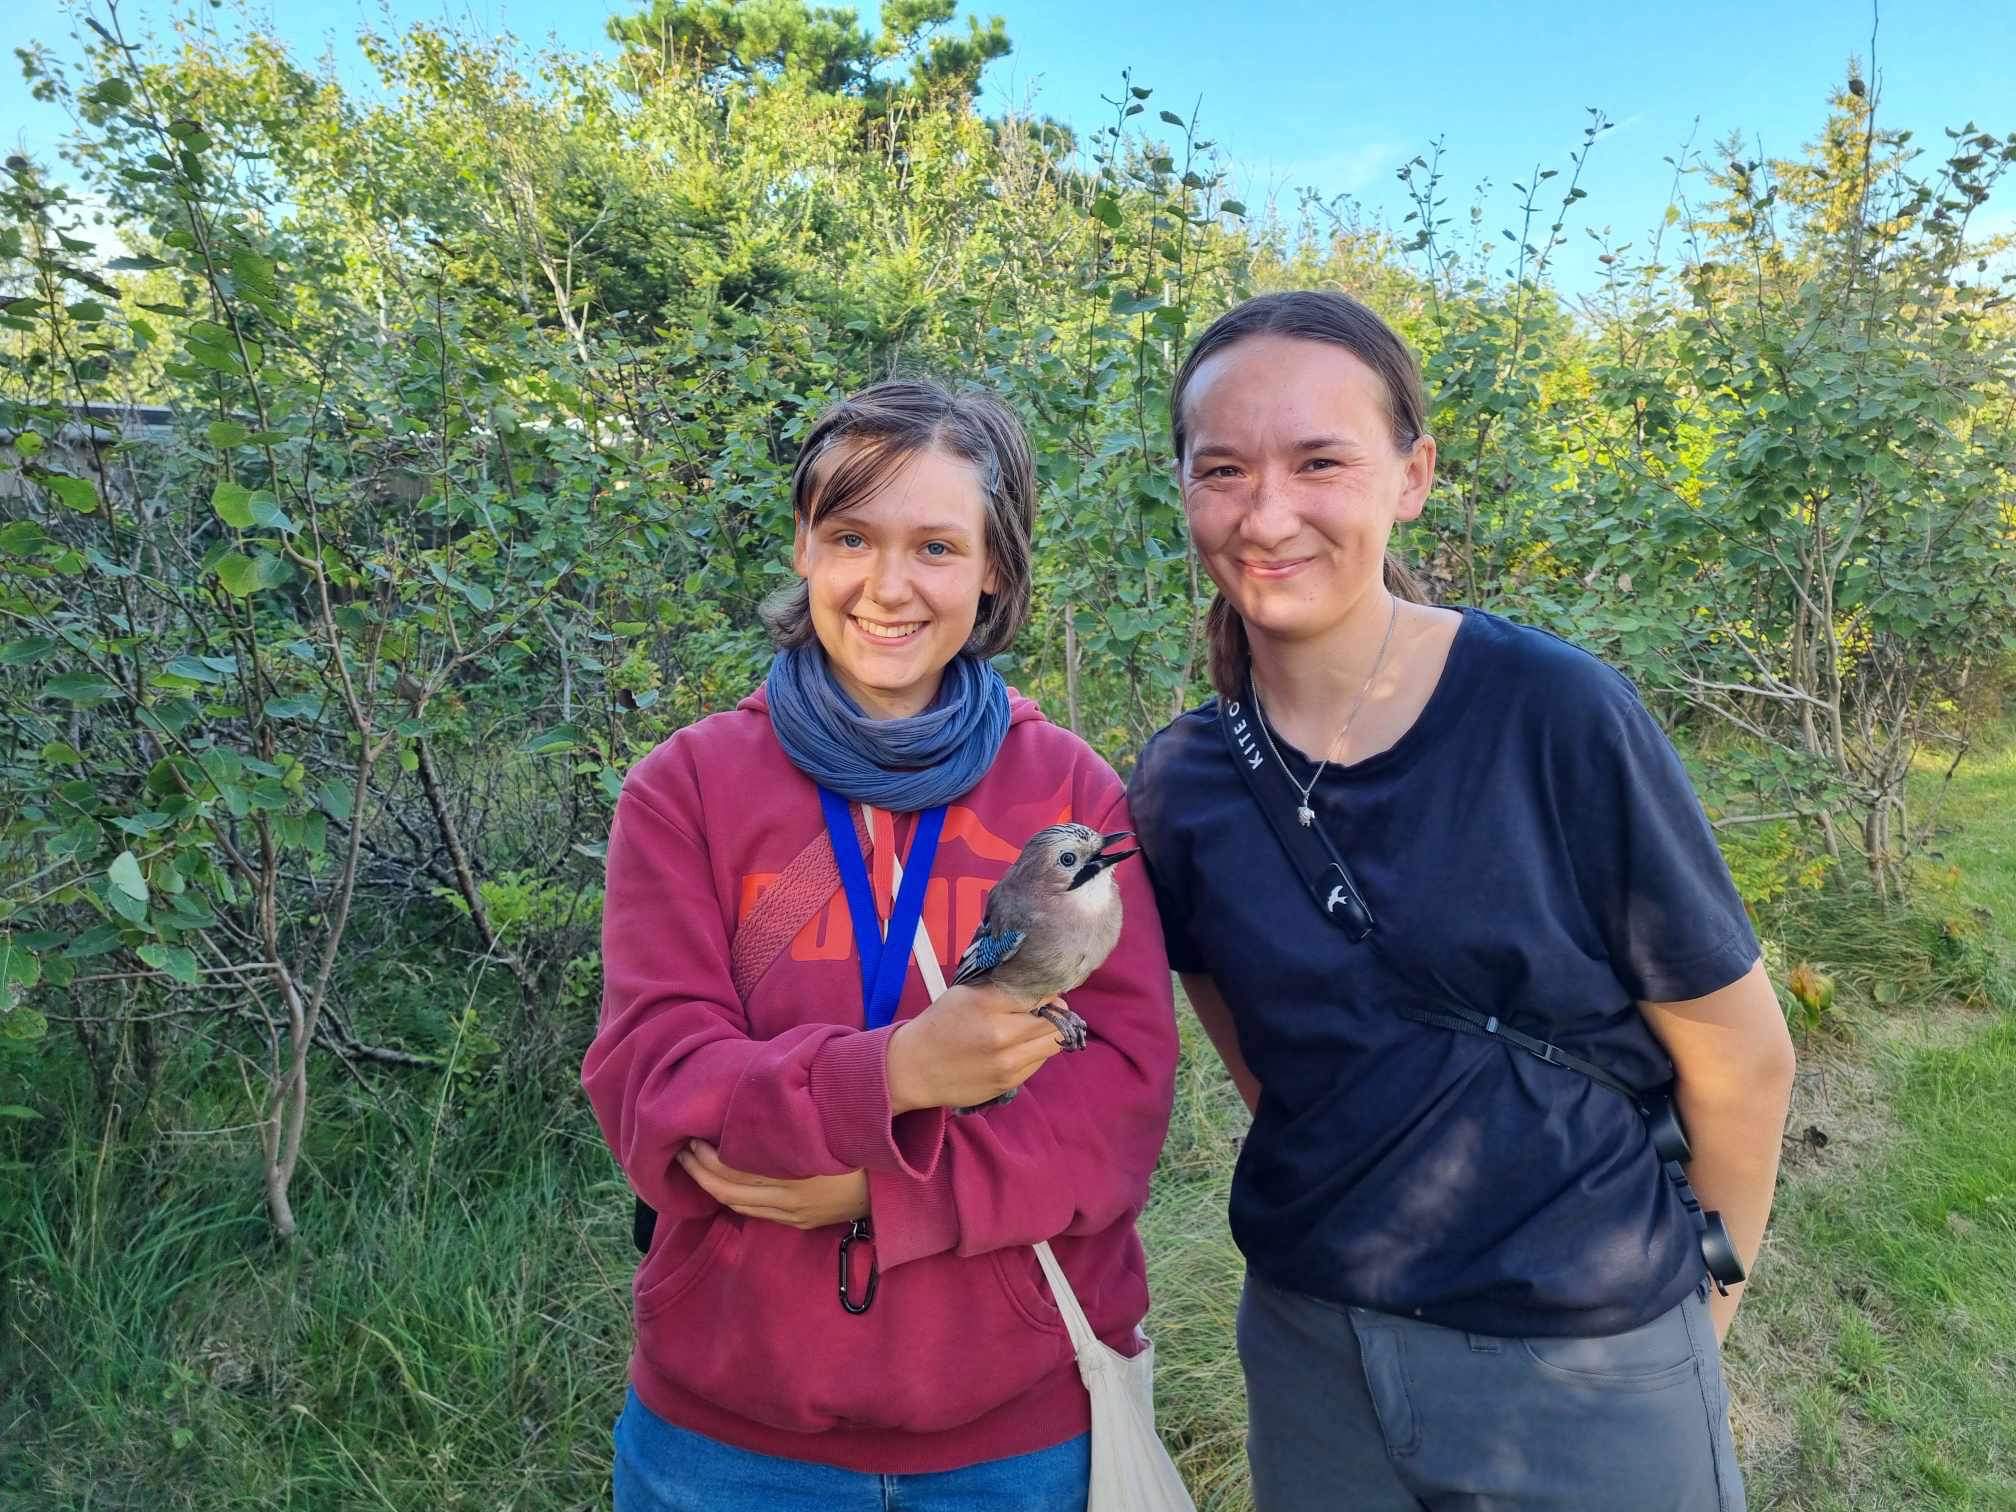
[{"x": 1350, "y": 1410}]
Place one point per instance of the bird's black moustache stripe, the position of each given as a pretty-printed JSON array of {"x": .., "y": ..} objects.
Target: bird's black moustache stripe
[{"x": 1105, "y": 858}]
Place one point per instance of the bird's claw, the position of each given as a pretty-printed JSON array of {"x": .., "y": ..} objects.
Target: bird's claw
[
  {"x": 992, "y": 1102},
  {"x": 1070, "y": 1028}
]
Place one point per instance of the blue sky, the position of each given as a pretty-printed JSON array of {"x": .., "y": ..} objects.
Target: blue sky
[{"x": 1338, "y": 95}]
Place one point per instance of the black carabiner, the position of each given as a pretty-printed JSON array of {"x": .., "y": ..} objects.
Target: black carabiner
[{"x": 858, "y": 1229}]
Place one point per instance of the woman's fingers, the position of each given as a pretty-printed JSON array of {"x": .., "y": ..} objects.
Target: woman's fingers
[
  {"x": 771, "y": 1215},
  {"x": 731, "y": 1188},
  {"x": 710, "y": 1158},
  {"x": 972, "y": 1044}
]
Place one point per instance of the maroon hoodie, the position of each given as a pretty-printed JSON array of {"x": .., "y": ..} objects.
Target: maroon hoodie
[{"x": 740, "y": 1332}]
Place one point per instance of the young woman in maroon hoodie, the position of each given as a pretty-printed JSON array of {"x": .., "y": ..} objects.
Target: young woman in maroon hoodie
[{"x": 784, "y": 1135}]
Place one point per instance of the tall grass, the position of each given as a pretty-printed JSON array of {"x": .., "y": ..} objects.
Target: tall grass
[
  {"x": 1194, "y": 1275},
  {"x": 462, "y": 1346}
]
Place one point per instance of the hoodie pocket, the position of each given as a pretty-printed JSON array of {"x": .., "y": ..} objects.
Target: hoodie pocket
[
  {"x": 752, "y": 1324},
  {"x": 1021, "y": 1276},
  {"x": 670, "y": 1270}
]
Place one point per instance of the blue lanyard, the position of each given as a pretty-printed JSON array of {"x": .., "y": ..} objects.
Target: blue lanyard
[{"x": 885, "y": 961}]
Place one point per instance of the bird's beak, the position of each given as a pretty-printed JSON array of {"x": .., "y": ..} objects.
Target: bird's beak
[
  {"x": 1106, "y": 857},
  {"x": 1109, "y": 856}
]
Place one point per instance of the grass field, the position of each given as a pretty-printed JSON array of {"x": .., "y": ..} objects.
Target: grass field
[
  {"x": 457, "y": 1341},
  {"x": 1876, "y": 1363}
]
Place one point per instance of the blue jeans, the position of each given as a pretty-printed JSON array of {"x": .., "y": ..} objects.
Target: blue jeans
[{"x": 660, "y": 1468}]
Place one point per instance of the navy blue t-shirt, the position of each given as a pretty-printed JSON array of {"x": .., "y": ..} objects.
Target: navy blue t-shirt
[{"x": 1536, "y": 839}]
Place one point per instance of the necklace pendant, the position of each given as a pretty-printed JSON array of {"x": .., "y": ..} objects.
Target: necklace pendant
[{"x": 1306, "y": 814}]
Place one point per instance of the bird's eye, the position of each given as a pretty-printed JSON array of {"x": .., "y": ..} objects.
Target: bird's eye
[{"x": 1069, "y": 858}]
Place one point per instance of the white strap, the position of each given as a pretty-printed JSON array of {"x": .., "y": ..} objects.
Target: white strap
[{"x": 1075, "y": 1321}]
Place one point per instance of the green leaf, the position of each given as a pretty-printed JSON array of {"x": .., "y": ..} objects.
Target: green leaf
[
  {"x": 253, "y": 273},
  {"x": 226, "y": 433},
  {"x": 192, "y": 912},
  {"x": 178, "y": 962},
  {"x": 233, "y": 503},
  {"x": 129, "y": 908},
  {"x": 80, "y": 494},
  {"x": 24, "y": 1023},
  {"x": 1175, "y": 120},
  {"x": 1233, "y": 207},
  {"x": 136, "y": 264},
  {"x": 300, "y": 706},
  {"x": 15, "y": 1110},
  {"x": 242, "y": 575},
  {"x": 266, "y": 511},
  {"x": 81, "y": 839},
  {"x": 22, "y": 538},
  {"x": 19, "y": 970},
  {"x": 565, "y": 737},
  {"x": 114, "y": 92},
  {"x": 99, "y": 939},
  {"x": 124, "y": 875},
  {"x": 21, "y": 652},
  {"x": 196, "y": 669},
  {"x": 80, "y": 688},
  {"x": 1106, "y": 210}
]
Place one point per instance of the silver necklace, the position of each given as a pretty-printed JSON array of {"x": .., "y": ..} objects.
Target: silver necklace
[{"x": 1305, "y": 813}]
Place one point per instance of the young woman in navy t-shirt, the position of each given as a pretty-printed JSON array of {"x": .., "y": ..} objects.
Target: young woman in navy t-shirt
[{"x": 1471, "y": 1280}]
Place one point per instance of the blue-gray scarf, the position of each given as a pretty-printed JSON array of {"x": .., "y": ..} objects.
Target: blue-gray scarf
[{"x": 900, "y": 764}]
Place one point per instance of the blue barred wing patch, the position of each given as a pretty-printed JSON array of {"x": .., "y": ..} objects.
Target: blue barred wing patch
[{"x": 987, "y": 950}]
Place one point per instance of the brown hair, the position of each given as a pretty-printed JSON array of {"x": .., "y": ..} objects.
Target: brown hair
[
  {"x": 1306, "y": 315},
  {"x": 887, "y": 423}
]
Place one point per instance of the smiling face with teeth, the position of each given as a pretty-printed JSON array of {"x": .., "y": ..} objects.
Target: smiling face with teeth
[{"x": 894, "y": 582}]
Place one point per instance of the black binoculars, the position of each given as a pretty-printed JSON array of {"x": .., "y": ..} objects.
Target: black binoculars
[{"x": 1669, "y": 1140}]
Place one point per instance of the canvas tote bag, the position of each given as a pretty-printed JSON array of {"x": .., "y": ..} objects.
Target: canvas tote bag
[{"x": 1131, "y": 1471}]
